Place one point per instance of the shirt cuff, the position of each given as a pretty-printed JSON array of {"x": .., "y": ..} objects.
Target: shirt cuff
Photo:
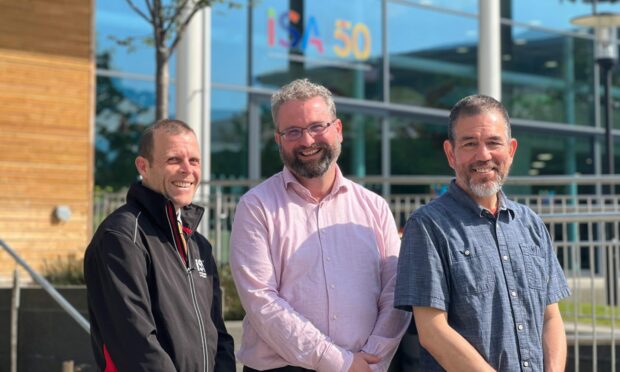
[{"x": 335, "y": 359}]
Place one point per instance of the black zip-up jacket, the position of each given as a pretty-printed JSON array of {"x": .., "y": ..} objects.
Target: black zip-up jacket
[{"x": 150, "y": 310}]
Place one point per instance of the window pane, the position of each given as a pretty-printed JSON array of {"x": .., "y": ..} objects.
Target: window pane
[
  {"x": 337, "y": 44},
  {"x": 229, "y": 135},
  {"x": 417, "y": 149},
  {"x": 123, "y": 108},
  {"x": 361, "y": 145},
  {"x": 547, "y": 76},
  {"x": 554, "y": 14},
  {"x": 550, "y": 154},
  {"x": 435, "y": 70},
  {"x": 229, "y": 57}
]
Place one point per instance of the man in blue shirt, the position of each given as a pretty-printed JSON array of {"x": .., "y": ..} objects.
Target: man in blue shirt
[{"x": 478, "y": 270}]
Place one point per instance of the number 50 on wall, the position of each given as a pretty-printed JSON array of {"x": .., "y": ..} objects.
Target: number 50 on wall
[{"x": 351, "y": 38}]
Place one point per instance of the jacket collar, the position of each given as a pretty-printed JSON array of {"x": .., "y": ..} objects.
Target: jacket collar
[{"x": 156, "y": 205}]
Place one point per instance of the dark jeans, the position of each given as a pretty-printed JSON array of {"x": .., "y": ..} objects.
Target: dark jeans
[{"x": 281, "y": 369}]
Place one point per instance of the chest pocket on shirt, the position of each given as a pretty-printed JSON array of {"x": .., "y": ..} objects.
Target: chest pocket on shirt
[
  {"x": 535, "y": 266},
  {"x": 471, "y": 272}
]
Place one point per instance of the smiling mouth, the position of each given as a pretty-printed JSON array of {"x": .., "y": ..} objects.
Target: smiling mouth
[
  {"x": 310, "y": 151},
  {"x": 483, "y": 169},
  {"x": 183, "y": 184}
]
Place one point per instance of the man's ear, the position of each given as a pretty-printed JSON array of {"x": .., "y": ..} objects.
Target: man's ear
[
  {"x": 141, "y": 164},
  {"x": 448, "y": 149},
  {"x": 513, "y": 147},
  {"x": 277, "y": 138}
]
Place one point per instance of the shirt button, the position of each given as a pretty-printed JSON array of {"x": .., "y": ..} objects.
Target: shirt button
[
  {"x": 520, "y": 328},
  {"x": 467, "y": 252},
  {"x": 334, "y": 317},
  {"x": 526, "y": 364},
  {"x": 333, "y": 286},
  {"x": 328, "y": 259},
  {"x": 513, "y": 293},
  {"x": 505, "y": 258}
]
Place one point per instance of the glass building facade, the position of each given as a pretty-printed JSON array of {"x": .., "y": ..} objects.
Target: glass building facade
[{"x": 395, "y": 68}]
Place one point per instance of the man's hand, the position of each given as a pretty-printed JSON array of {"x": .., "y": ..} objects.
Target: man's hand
[{"x": 361, "y": 361}]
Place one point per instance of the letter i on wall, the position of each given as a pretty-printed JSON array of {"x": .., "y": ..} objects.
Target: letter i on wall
[{"x": 271, "y": 27}]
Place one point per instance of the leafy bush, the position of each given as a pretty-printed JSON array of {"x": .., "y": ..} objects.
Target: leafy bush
[
  {"x": 232, "y": 305},
  {"x": 63, "y": 271}
]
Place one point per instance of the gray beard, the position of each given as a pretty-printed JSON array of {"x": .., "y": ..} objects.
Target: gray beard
[
  {"x": 486, "y": 190},
  {"x": 311, "y": 169}
]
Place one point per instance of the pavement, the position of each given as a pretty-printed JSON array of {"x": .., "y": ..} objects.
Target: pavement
[{"x": 235, "y": 329}]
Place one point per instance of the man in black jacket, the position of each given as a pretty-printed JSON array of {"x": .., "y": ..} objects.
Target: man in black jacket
[{"x": 153, "y": 290}]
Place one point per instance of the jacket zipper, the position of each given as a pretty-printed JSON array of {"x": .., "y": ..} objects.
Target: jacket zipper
[{"x": 188, "y": 272}]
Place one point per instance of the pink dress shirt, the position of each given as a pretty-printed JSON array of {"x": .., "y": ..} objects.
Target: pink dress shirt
[{"x": 316, "y": 278}]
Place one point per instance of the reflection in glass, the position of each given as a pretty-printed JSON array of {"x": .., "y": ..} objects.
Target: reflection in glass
[
  {"x": 547, "y": 77},
  {"x": 361, "y": 145},
  {"x": 553, "y": 14},
  {"x": 435, "y": 70},
  {"x": 417, "y": 149},
  {"x": 123, "y": 108},
  {"x": 337, "y": 44},
  {"x": 229, "y": 135},
  {"x": 229, "y": 43},
  {"x": 551, "y": 154}
]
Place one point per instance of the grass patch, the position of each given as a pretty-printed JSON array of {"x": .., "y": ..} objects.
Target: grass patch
[
  {"x": 582, "y": 313},
  {"x": 63, "y": 271}
]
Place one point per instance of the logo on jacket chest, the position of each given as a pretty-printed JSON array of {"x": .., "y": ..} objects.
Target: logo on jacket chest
[{"x": 200, "y": 266}]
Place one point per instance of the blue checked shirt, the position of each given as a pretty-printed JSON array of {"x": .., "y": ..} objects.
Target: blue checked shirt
[{"x": 494, "y": 276}]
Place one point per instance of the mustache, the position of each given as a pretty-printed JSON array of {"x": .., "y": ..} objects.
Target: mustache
[
  {"x": 488, "y": 163},
  {"x": 314, "y": 146}
]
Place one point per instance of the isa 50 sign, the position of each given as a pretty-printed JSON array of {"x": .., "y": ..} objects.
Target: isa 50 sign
[{"x": 349, "y": 40}]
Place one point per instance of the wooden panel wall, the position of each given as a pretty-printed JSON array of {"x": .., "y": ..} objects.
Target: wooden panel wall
[{"x": 46, "y": 134}]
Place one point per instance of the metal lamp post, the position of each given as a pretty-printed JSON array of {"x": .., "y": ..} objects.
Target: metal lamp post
[{"x": 606, "y": 55}]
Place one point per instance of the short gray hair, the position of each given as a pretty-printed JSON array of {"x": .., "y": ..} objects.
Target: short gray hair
[
  {"x": 474, "y": 105},
  {"x": 300, "y": 90}
]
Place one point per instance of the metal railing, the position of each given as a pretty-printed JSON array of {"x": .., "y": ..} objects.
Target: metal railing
[
  {"x": 588, "y": 247},
  {"x": 221, "y": 207},
  {"x": 64, "y": 304},
  {"x": 585, "y": 230}
]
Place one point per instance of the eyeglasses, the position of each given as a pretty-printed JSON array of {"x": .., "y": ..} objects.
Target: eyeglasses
[{"x": 295, "y": 133}]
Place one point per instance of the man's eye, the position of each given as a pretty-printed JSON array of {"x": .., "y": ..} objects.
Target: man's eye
[
  {"x": 315, "y": 128},
  {"x": 293, "y": 132}
]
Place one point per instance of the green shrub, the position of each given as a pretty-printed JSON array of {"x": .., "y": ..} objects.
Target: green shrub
[
  {"x": 63, "y": 271},
  {"x": 232, "y": 305}
]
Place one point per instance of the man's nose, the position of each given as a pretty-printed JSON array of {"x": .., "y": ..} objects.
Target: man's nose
[
  {"x": 185, "y": 166},
  {"x": 306, "y": 138},
  {"x": 483, "y": 153}
]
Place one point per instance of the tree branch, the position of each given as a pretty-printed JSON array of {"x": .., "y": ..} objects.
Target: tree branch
[
  {"x": 183, "y": 25},
  {"x": 137, "y": 10},
  {"x": 177, "y": 13},
  {"x": 150, "y": 7}
]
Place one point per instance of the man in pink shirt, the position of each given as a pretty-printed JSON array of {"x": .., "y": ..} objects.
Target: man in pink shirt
[{"x": 313, "y": 254}]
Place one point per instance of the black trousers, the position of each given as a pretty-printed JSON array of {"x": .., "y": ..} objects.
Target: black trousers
[{"x": 281, "y": 369}]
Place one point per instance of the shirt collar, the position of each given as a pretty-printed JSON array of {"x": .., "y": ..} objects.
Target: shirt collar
[
  {"x": 340, "y": 184},
  {"x": 504, "y": 204}
]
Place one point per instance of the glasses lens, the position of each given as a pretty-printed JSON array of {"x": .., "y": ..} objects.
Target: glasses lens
[
  {"x": 317, "y": 129},
  {"x": 292, "y": 134}
]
